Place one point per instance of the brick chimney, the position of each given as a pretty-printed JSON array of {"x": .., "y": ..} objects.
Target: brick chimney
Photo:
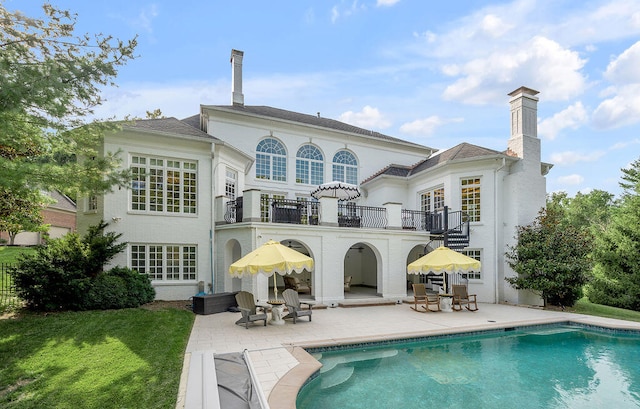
[{"x": 237, "y": 98}]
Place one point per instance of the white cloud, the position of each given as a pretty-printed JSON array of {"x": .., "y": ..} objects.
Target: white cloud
[
  {"x": 426, "y": 126},
  {"x": 541, "y": 62},
  {"x": 494, "y": 26},
  {"x": 570, "y": 180},
  {"x": 177, "y": 100},
  {"x": 381, "y": 3},
  {"x": 368, "y": 118},
  {"x": 571, "y": 157},
  {"x": 335, "y": 14},
  {"x": 145, "y": 18},
  {"x": 340, "y": 11},
  {"x": 572, "y": 117},
  {"x": 622, "y": 145},
  {"x": 624, "y": 69},
  {"x": 622, "y": 109}
]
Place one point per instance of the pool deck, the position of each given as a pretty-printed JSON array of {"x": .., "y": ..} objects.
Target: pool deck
[{"x": 282, "y": 366}]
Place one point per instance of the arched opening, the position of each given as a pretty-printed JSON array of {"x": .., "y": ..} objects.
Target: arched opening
[
  {"x": 233, "y": 252},
  {"x": 361, "y": 272},
  {"x": 432, "y": 282},
  {"x": 301, "y": 282}
]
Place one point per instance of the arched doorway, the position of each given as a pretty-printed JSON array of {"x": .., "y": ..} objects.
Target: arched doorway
[
  {"x": 361, "y": 266},
  {"x": 303, "y": 281}
]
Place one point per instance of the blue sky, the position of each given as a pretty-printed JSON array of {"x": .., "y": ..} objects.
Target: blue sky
[{"x": 435, "y": 73}]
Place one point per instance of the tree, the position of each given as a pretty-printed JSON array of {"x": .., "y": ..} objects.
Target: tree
[
  {"x": 21, "y": 213},
  {"x": 551, "y": 259},
  {"x": 50, "y": 83},
  {"x": 617, "y": 265},
  {"x": 586, "y": 211},
  {"x": 67, "y": 273}
]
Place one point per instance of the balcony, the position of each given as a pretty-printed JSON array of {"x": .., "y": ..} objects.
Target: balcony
[{"x": 451, "y": 227}]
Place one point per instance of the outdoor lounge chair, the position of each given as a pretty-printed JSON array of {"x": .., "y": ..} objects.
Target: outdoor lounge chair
[
  {"x": 460, "y": 298},
  {"x": 250, "y": 312},
  {"x": 294, "y": 283},
  {"x": 294, "y": 305},
  {"x": 347, "y": 284},
  {"x": 420, "y": 296}
]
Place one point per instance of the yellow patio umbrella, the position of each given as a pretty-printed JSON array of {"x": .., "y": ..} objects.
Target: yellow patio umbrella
[
  {"x": 270, "y": 258},
  {"x": 443, "y": 260}
]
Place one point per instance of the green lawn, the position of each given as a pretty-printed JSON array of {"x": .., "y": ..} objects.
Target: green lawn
[
  {"x": 129, "y": 358},
  {"x": 584, "y": 306},
  {"x": 9, "y": 254}
]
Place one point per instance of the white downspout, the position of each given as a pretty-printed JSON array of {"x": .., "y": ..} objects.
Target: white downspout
[{"x": 496, "y": 227}]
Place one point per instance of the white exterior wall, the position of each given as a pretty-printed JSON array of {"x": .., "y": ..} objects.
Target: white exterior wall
[
  {"x": 150, "y": 228},
  {"x": 246, "y": 132}
]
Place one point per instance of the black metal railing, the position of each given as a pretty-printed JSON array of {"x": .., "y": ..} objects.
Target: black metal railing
[
  {"x": 291, "y": 211},
  {"x": 351, "y": 215},
  {"x": 8, "y": 296},
  {"x": 233, "y": 214},
  {"x": 442, "y": 222}
]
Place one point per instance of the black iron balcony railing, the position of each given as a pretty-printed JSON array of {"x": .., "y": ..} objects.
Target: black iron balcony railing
[
  {"x": 350, "y": 215},
  {"x": 452, "y": 227},
  {"x": 291, "y": 211}
]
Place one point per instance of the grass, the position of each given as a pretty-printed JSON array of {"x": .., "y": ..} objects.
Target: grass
[
  {"x": 9, "y": 254},
  {"x": 584, "y": 306},
  {"x": 129, "y": 358}
]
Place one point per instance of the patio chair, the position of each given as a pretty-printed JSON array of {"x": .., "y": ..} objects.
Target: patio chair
[
  {"x": 294, "y": 305},
  {"x": 347, "y": 284},
  {"x": 294, "y": 283},
  {"x": 420, "y": 296},
  {"x": 250, "y": 312},
  {"x": 461, "y": 297}
]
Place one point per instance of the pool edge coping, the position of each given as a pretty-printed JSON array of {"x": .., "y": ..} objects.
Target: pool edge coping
[{"x": 285, "y": 392}]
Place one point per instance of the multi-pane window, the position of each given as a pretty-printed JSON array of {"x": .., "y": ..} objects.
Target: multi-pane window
[
  {"x": 345, "y": 167},
  {"x": 432, "y": 200},
  {"x": 477, "y": 255},
  {"x": 163, "y": 185},
  {"x": 163, "y": 262},
  {"x": 265, "y": 205},
  {"x": 470, "y": 195},
  {"x": 231, "y": 183},
  {"x": 92, "y": 203},
  {"x": 271, "y": 160},
  {"x": 309, "y": 165}
]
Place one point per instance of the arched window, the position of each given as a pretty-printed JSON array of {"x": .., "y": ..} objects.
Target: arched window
[
  {"x": 271, "y": 160},
  {"x": 309, "y": 165},
  {"x": 345, "y": 167}
]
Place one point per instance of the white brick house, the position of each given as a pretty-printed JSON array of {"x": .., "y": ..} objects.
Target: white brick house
[{"x": 212, "y": 187}]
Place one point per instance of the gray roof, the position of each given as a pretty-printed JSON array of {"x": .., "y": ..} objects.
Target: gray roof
[
  {"x": 458, "y": 152},
  {"x": 314, "y": 120},
  {"x": 62, "y": 201},
  {"x": 168, "y": 125}
]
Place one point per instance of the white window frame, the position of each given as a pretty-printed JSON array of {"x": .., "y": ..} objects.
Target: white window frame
[
  {"x": 471, "y": 203},
  {"x": 231, "y": 183},
  {"x": 475, "y": 254},
  {"x": 433, "y": 199},
  {"x": 162, "y": 185},
  {"x": 164, "y": 262}
]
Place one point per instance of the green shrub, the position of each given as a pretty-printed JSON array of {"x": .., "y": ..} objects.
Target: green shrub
[
  {"x": 117, "y": 288},
  {"x": 67, "y": 274}
]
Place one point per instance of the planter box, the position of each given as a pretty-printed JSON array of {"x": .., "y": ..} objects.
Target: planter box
[{"x": 213, "y": 303}]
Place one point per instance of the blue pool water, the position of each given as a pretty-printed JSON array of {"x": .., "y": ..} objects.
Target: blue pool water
[{"x": 535, "y": 367}]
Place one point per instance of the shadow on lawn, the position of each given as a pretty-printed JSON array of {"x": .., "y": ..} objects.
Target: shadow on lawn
[{"x": 93, "y": 359}]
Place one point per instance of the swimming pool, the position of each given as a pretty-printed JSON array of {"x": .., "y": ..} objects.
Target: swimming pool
[{"x": 559, "y": 366}]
